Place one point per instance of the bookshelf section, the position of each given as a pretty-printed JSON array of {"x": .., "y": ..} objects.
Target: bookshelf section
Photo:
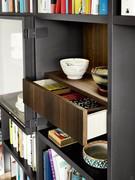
[
  {"x": 23, "y": 163},
  {"x": 73, "y": 155}
]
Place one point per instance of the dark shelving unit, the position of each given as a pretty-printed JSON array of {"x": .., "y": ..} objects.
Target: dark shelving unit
[
  {"x": 105, "y": 40},
  {"x": 22, "y": 162}
]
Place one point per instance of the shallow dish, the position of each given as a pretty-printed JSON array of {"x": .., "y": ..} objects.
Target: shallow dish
[
  {"x": 74, "y": 68},
  {"x": 95, "y": 154}
]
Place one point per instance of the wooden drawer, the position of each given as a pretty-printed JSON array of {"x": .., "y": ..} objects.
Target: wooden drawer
[{"x": 63, "y": 113}]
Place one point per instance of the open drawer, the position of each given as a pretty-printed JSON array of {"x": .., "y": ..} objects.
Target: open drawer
[{"x": 71, "y": 118}]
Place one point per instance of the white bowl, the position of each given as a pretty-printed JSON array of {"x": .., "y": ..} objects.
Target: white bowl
[{"x": 74, "y": 68}]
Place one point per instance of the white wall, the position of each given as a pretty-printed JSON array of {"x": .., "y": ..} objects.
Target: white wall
[{"x": 11, "y": 56}]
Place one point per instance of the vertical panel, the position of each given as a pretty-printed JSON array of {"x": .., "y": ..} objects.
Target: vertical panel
[{"x": 123, "y": 104}]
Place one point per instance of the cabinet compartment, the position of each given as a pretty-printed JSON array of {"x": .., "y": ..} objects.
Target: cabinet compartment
[{"x": 62, "y": 113}]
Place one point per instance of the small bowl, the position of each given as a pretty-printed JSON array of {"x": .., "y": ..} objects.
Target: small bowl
[
  {"x": 74, "y": 68},
  {"x": 100, "y": 76},
  {"x": 95, "y": 154}
]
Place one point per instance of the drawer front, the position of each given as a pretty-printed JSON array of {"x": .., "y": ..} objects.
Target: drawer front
[{"x": 60, "y": 112}]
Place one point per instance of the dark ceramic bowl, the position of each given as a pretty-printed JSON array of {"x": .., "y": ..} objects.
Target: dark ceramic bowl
[
  {"x": 95, "y": 154},
  {"x": 100, "y": 76}
]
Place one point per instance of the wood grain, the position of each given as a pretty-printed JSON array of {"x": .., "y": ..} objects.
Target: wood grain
[
  {"x": 95, "y": 46},
  {"x": 60, "y": 112}
]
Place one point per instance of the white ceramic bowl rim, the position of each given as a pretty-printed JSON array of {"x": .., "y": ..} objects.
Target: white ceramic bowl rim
[{"x": 74, "y": 59}]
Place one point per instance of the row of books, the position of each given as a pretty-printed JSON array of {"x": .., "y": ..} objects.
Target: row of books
[
  {"x": 16, "y": 6},
  {"x": 94, "y": 7},
  {"x": 56, "y": 168},
  {"x": 24, "y": 144},
  {"x": 16, "y": 171}
]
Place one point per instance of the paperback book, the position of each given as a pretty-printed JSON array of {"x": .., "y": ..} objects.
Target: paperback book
[{"x": 60, "y": 138}]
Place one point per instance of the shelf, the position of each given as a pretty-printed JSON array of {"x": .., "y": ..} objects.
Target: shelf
[
  {"x": 73, "y": 155},
  {"x": 15, "y": 14},
  {"x": 23, "y": 163},
  {"x": 86, "y": 85},
  {"x": 8, "y": 102},
  {"x": 124, "y": 20},
  {"x": 75, "y": 18}
]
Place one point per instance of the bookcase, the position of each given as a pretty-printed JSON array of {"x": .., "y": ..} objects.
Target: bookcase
[{"x": 104, "y": 40}]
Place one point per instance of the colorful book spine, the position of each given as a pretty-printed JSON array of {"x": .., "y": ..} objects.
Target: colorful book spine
[
  {"x": 5, "y": 6},
  {"x": 78, "y": 6},
  {"x": 95, "y": 7},
  {"x": 58, "y": 7},
  {"x": 70, "y": 6},
  {"x": 11, "y": 5},
  {"x": 31, "y": 6},
  {"x": 63, "y": 6},
  {"x": 53, "y": 6},
  {"x": 87, "y": 6},
  {"x": 103, "y": 7},
  {"x": 21, "y": 6},
  {"x": 16, "y": 6},
  {"x": 52, "y": 164}
]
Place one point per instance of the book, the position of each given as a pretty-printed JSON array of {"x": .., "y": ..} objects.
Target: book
[
  {"x": 70, "y": 7},
  {"x": 58, "y": 6},
  {"x": 11, "y": 5},
  {"x": 53, "y": 6},
  {"x": 1, "y": 160},
  {"x": 51, "y": 164},
  {"x": 95, "y": 7},
  {"x": 128, "y": 7},
  {"x": 103, "y": 7},
  {"x": 21, "y": 6},
  {"x": 5, "y": 6},
  {"x": 47, "y": 166},
  {"x": 86, "y": 6},
  {"x": 63, "y": 6},
  {"x": 50, "y": 84},
  {"x": 78, "y": 6},
  {"x": 60, "y": 138}
]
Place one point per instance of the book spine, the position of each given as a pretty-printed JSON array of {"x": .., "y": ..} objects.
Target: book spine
[
  {"x": 63, "y": 6},
  {"x": 10, "y": 132},
  {"x": 46, "y": 6},
  {"x": 73, "y": 6},
  {"x": 103, "y": 7},
  {"x": 25, "y": 6},
  {"x": 53, "y": 6},
  {"x": 11, "y": 6},
  {"x": 66, "y": 6},
  {"x": 31, "y": 6},
  {"x": 87, "y": 5},
  {"x": 4, "y": 5},
  {"x": 95, "y": 7},
  {"x": 70, "y": 6},
  {"x": 51, "y": 163},
  {"x": 29, "y": 149},
  {"x": 16, "y": 5},
  {"x": 58, "y": 6},
  {"x": 78, "y": 6},
  {"x": 21, "y": 6},
  {"x": 34, "y": 167}
]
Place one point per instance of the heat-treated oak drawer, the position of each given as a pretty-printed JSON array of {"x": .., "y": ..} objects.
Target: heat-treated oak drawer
[{"x": 63, "y": 113}]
